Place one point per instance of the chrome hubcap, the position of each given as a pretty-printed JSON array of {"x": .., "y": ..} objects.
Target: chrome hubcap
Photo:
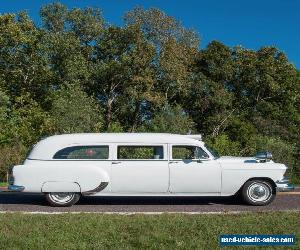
[
  {"x": 61, "y": 198},
  {"x": 259, "y": 192}
]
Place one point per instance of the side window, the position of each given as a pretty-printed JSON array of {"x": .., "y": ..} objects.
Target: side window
[
  {"x": 201, "y": 154},
  {"x": 83, "y": 152},
  {"x": 140, "y": 152},
  {"x": 185, "y": 152}
]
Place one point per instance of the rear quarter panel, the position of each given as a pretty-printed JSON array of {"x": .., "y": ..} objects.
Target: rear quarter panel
[{"x": 88, "y": 174}]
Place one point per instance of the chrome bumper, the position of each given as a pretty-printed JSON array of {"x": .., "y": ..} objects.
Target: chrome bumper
[
  {"x": 15, "y": 188},
  {"x": 284, "y": 185}
]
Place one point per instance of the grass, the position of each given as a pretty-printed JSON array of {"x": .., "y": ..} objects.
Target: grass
[
  {"x": 175, "y": 231},
  {"x": 3, "y": 184}
]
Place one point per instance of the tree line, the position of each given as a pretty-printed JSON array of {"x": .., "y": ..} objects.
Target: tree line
[{"x": 74, "y": 72}]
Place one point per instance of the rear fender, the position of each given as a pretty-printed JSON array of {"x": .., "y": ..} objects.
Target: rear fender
[{"x": 61, "y": 178}]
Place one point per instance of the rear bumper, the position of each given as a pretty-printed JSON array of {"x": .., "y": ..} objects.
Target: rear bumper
[
  {"x": 15, "y": 188},
  {"x": 284, "y": 185}
]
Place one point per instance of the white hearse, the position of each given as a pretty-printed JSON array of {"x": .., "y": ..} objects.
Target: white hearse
[{"x": 64, "y": 167}]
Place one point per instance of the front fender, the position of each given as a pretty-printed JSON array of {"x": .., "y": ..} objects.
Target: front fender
[{"x": 234, "y": 179}]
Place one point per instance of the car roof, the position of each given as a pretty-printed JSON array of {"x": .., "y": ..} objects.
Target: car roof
[
  {"x": 122, "y": 137},
  {"x": 46, "y": 148}
]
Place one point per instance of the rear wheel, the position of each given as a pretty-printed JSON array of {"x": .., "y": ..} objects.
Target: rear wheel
[
  {"x": 62, "y": 199},
  {"x": 258, "y": 192}
]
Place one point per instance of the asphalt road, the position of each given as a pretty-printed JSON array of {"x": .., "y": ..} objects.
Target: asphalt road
[{"x": 36, "y": 203}]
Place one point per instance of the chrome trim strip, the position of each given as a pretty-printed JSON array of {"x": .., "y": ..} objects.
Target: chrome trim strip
[
  {"x": 31, "y": 159},
  {"x": 284, "y": 180},
  {"x": 285, "y": 188},
  {"x": 283, "y": 185},
  {"x": 97, "y": 189}
]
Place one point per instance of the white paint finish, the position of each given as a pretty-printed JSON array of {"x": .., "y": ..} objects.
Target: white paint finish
[
  {"x": 236, "y": 172},
  {"x": 88, "y": 174},
  {"x": 133, "y": 176},
  {"x": 223, "y": 176},
  {"x": 194, "y": 176},
  {"x": 191, "y": 176},
  {"x": 60, "y": 186},
  {"x": 140, "y": 176}
]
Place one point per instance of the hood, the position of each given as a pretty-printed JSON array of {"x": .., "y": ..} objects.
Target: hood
[{"x": 237, "y": 159}]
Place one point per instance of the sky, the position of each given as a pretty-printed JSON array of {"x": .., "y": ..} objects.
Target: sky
[{"x": 250, "y": 24}]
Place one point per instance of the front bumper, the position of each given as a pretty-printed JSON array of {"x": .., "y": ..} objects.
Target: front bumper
[{"x": 284, "y": 185}]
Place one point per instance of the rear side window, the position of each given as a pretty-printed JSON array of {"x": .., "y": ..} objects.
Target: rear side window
[
  {"x": 140, "y": 152},
  {"x": 83, "y": 152}
]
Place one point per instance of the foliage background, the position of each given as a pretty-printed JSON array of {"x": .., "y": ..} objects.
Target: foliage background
[{"x": 77, "y": 73}]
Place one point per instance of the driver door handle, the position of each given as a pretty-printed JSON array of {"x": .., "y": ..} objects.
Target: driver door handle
[
  {"x": 116, "y": 162},
  {"x": 173, "y": 162}
]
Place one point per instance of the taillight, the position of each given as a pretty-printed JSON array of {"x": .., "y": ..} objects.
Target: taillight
[
  {"x": 10, "y": 177},
  {"x": 11, "y": 180}
]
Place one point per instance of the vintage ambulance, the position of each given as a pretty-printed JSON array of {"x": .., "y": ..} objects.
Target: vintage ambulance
[{"x": 65, "y": 167}]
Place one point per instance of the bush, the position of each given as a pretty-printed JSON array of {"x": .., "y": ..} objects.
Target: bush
[
  {"x": 29, "y": 122},
  {"x": 224, "y": 146},
  {"x": 282, "y": 151},
  {"x": 10, "y": 155}
]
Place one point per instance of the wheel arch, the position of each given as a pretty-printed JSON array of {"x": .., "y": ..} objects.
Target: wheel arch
[{"x": 268, "y": 179}]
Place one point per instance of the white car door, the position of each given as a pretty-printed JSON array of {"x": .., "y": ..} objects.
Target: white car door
[
  {"x": 189, "y": 174},
  {"x": 140, "y": 169}
]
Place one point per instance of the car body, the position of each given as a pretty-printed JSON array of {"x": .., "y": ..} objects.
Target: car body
[{"x": 140, "y": 164}]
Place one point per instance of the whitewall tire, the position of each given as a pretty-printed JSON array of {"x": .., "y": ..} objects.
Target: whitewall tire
[
  {"x": 62, "y": 199},
  {"x": 258, "y": 192}
]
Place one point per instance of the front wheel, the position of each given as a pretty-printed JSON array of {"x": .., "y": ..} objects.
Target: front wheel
[
  {"x": 258, "y": 192},
  {"x": 62, "y": 199}
]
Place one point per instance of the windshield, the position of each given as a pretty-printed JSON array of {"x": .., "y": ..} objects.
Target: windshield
[{"x": 213, "y": 152}]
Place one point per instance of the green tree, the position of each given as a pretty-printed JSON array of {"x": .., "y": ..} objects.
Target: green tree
[
  {"x": 265, "y": 89},
  {"x": 210, "y": 99},
  {"x": 123, "y": 75},
  {"x": 170, "y": 120},
  {"x": 24, "y": 67},
  {"x": 29, "y": 122},
  {"x": 70, "y": 38},
  {"x": 5, "y": 130},
  {"x": 224, "y": 145},
  {"x": 54, "y": 17},
  {"x": 158, "y": 27},
  {"x": 73, "y": 111}
]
